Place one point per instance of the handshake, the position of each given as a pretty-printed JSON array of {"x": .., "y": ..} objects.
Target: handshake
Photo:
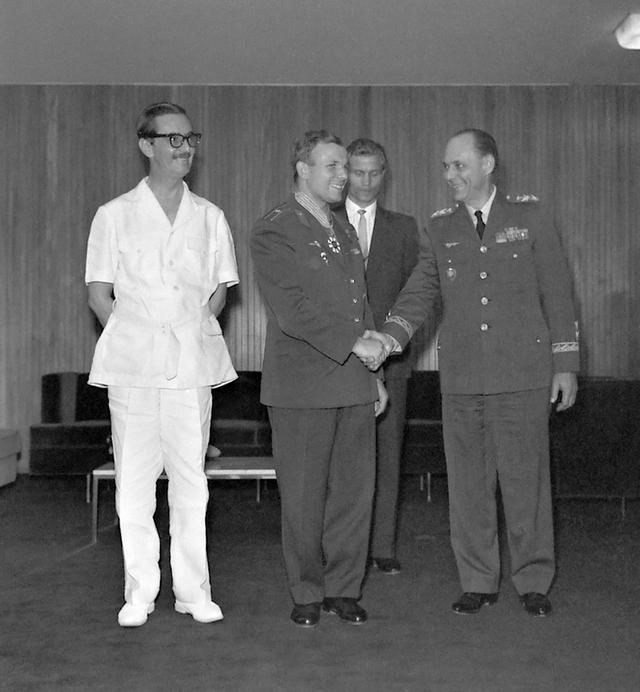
[{"x": 372, "y": 348}]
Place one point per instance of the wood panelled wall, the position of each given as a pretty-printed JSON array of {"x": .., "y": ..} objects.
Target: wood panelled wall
[{"x": 67, "y": 149}]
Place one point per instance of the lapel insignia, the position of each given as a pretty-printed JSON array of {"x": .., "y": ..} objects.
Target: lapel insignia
[
  {"x": 450, "y": 245},
  {"x": 323, "y": 254}
]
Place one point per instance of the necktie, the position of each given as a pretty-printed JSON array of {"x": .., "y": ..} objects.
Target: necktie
[
  {"x": 480, "y": 225},
  {"x": 362, "y": 234}
]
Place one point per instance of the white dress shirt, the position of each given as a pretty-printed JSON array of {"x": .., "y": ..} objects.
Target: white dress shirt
[
  {"x": 485, "y": 209},
  {"x": 352, "y": 210}
]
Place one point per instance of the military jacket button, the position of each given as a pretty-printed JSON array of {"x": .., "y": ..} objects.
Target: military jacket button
[
  {"x": 483, "y": 249},
  {"x": 483, "y": 275},
  {"x": 484, "y": 326},
  {"x": 484, "y": 300}
]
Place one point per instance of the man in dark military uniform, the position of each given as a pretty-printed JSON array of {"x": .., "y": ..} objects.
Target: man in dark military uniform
[
  {"x": 507, "y": 347},
  {"x": 321, "y": 396},
  {"x": 389, "y": 242}
]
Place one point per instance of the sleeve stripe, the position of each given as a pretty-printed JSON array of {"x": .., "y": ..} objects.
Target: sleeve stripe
[
  {"x": 401, "y": 322},
  {"x": 564, "y": 347}
]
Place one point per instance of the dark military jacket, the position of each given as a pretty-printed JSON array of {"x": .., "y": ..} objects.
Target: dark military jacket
[
  {"x": 393, "y": 253},
  {"x": 508, "y": 320},
  {"x": 315, "y": 296}
]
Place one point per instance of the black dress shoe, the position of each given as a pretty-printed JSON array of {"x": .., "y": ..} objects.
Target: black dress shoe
[
  {"x": 306, "y": 614},
  {"x": 387, "y": 565},
  {"x": 536, "y": 604},
  {"x": 347, "y": 609},
  {"x": 471, "y": 602}
]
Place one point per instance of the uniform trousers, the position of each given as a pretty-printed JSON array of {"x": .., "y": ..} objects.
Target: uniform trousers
[
  {"x": 490, "y": 439},
  {"x": 155, "y": 429},
  {"x": 325, "y": 465},
  {"x": 389, "y": 434}
]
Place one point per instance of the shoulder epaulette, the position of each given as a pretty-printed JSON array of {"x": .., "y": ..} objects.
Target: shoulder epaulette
[
  {"x": 275, "y": 212},
  {"x": 523, "y": 198},
  {"x": 443, "y": 212}
]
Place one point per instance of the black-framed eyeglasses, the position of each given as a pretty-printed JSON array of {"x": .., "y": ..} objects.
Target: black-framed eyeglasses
[{"x": 176, "y": 140}]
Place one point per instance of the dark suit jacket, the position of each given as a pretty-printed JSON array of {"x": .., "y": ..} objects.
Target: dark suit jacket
[
  {"x": 508, "y": 320},
  {"x": 392, "y": 255},
  {"x": 315, "y": 296}
]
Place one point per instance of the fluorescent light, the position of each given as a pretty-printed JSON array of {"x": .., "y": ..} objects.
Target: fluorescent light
[{"x": 628, "y": 32}]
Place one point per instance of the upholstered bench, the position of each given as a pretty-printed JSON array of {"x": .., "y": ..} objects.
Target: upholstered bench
[
  {"x": 73, "y": 436},
  {"x": 220, "y": 468}
]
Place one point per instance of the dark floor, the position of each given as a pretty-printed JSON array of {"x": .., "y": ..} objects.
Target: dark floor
[{"x": 60, "y": 596}]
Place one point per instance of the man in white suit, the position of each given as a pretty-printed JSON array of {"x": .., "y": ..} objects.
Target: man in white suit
[{"x": 167, "y": 256}]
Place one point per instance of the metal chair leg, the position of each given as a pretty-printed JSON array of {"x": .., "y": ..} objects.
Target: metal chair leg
[{"x": 94, "y": 511}]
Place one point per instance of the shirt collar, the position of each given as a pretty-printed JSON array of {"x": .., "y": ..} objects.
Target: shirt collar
[
  {"x": 352, "y": 207},
  {"x": 319, "y": 214},
  {"x": 185, "y": 210},
  {"x": 352, "y": 210},
  {"x": 485, "y": 209}
]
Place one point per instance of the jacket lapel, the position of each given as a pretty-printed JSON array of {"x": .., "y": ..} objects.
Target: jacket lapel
[
  {"x": 340, "y": 213},
  {"x": 381, "y": 239},
  {"x": 346, "y": 237},
  {"x": 463, "y": 221},
  {"x": 320, "y": 235},
  {"x": 497, "y": 219}
]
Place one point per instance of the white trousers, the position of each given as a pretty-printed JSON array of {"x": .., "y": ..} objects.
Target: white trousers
[{"x": 156, "y": 429}]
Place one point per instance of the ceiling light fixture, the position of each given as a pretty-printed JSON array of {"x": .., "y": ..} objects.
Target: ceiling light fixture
[{"x": 628, "y": 32}]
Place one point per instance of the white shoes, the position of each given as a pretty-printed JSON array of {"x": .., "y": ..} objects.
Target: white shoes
[
  {"x": 134, "y": 614},
  {"x": 201, "y": 612}
]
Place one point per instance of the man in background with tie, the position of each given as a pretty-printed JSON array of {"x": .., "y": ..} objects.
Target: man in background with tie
[
  {"x": 389, "y": 244},
  {"x": 508, "y": 346}
]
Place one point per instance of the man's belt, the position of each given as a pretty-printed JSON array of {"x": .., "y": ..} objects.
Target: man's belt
[{"x": 165, "y": 330}]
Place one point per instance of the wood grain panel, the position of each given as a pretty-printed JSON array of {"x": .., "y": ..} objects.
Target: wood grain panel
[{"x": 71, "y": 148}]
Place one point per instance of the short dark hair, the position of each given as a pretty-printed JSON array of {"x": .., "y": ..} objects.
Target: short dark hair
[
  {"x": 485, "y": 144},
  {"x": 367, "y": 147},
  {"x": 145, "y": 123},
  {"x": 303, "y": 147}
]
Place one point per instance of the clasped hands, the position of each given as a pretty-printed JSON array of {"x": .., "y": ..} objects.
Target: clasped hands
[{"x": 372, "y": 348}]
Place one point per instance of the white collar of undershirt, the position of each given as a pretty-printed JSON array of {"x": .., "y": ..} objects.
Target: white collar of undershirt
[
  {"x": 485, "y": 209},
  {"x": 352, "y": 210}
]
